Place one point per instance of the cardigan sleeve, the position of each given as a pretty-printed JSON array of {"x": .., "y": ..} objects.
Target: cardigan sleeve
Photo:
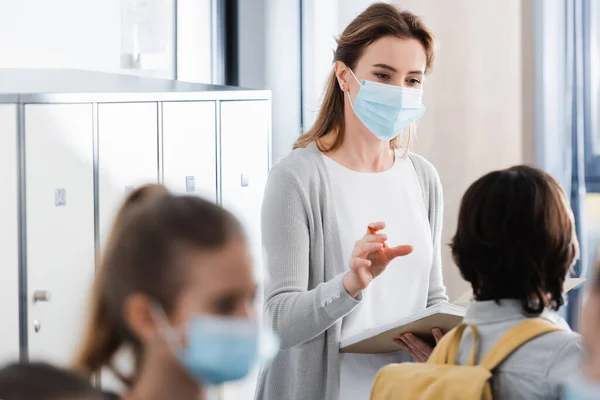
[
  {"x": 437, "y": 290},
  {"x": 433, "y": 198},
  {"x": 295, "y": 313}
]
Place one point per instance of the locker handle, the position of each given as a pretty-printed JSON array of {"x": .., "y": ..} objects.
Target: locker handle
[
  {"x": 42, "y": 295},
  {"x": 245, "y": 180}
]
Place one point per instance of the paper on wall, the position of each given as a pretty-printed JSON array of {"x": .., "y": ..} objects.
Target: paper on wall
[{"x": 144, "y": 25}]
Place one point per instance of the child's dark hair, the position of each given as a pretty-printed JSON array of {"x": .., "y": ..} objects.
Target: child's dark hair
[
  {"x": 141, "y": 256},
  {"x": 41, "y": 381},
  {"x": 515, "y": 238}
]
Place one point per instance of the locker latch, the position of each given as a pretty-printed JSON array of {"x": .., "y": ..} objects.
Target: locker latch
[
  {"x": 42, "y": 295},
  {"x": 245, "y": 180}
]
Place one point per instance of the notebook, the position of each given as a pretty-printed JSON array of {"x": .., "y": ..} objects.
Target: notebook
[
  {"x": 443, "y": 315},
  {"x": 377, "y": 340}
]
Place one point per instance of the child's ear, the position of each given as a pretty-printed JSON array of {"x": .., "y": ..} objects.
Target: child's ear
[{"x": 137, "y": 313}]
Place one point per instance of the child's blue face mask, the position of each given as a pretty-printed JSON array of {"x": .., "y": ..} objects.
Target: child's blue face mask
[
  {"x": 220, "y": 349},
  {"x": 386, "y": 110}
]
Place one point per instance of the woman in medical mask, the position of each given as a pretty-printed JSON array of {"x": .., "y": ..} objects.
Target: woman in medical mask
[
  {"x": 175, "y": 287},
  {"x": 585, "y": 384},
  {"x": 351, "y": 221}
]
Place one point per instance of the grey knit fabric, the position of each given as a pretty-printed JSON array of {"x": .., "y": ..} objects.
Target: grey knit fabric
[{"x": 305, "y": 297}]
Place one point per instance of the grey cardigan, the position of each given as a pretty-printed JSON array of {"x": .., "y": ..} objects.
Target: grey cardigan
[{"x": 305, "y": 299}]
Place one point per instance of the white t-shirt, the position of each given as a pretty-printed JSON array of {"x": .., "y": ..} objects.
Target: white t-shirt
[{"x": 394, "y": 197}]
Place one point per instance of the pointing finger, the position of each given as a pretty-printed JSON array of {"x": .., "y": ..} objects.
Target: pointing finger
[{"x": 398, "y": 251}]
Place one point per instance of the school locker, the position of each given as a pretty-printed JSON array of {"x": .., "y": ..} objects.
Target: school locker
[
  {"x": 81, "y": 152},
  {"x": 245, "y": 162},
  {"x": 60, "y": 227},
  {"x": 189, "y": 148},
  {"x": 9, "y": 243},
  {"x": 244, "y": 172}
]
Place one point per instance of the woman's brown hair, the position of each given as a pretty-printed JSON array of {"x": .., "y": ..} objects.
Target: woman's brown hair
[
  {"x": 377, "y": 21},
  {"x": 515, "y": 238},
  {"x": 141, "y": 256}
]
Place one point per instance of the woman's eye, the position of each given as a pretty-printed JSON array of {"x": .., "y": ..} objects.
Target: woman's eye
[
  {"x": 414, "y": 82},
  {"x": 382, "y": 77},
  {"x": 226, "y": 306}
]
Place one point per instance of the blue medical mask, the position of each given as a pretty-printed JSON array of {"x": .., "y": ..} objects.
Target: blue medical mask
[
  {"x": 220, "y": 349},
  {"x": 581, "y": 388},
  {"x": 386, "y": 110}
]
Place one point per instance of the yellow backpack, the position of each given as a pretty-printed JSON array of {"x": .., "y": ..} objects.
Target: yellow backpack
[{"x": 441, "y": 379}]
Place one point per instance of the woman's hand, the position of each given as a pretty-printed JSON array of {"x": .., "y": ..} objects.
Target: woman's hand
[
  {"x": 370, "y": 258},
  {"x": 417, "y": 348}
]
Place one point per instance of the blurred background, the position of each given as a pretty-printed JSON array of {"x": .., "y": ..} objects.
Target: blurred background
[{"x": 514, "y": 81}]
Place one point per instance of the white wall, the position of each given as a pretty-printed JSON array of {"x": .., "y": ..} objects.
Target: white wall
[
  {"x": 194, "y": 41},
  {"x": 321, "y": 28},
  {"x": 80, "y": 34},
  {"x": 474, "y": 99}
]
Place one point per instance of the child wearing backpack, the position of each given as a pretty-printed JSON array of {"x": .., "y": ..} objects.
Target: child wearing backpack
[{"x": 515, "y": 243}]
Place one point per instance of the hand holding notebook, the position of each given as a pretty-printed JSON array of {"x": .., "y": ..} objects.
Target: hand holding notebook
[{"x": 417, "y": 348}]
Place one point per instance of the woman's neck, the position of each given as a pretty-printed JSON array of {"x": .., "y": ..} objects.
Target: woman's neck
[
  {"x": 360, "y": 150},
  {"x": 362, "y": 153},
  {"x": 163, "y": 381}
]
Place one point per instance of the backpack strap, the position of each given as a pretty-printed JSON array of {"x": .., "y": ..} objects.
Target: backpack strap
[
  {"x": 446, "y": 351},
  {"x": 439, "y": 355},
  {"x": 515, "y": 338}
]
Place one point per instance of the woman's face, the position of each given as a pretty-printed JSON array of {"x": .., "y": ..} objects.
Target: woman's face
[
  {"x": 389, "y": 60},
  {"x": 217, "y": 283},
  {"x": 590, "y": 331}
]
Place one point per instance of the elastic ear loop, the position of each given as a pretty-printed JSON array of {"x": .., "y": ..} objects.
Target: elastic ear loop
[
  {"x": 348, "y": 92},
  {"x": 160, "y": 319},
  {"x": 352, "y": 72}
]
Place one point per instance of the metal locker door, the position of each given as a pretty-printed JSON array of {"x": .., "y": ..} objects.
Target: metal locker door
[
  {"x": 9, "y": 242},
  {"x": 127, "y": 155},
  {"x": 127, "y": 159},
  {"x": 60, "y": 226},
  {"x": 189, "y": 148},
  {"x": 245, "y": 129},
  {"x": 245, "y": 160}
]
